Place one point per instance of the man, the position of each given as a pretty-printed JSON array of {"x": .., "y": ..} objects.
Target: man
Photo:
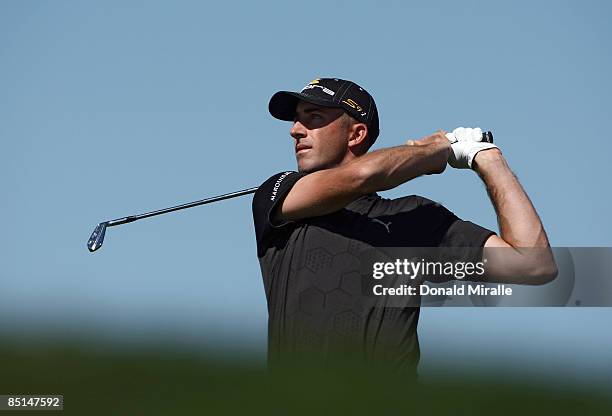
[{"x": 315, "y": 225}]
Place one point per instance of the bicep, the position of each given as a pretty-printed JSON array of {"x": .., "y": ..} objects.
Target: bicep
[
  {"x": 498, "y": 256},
  {"x": 495, "y": 241},
  {"x": 507, "y": 264}
]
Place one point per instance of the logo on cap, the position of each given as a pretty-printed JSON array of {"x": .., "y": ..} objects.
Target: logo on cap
[
  {"x": 353, "y": 104},
  {"x": 324, "y": 89}
]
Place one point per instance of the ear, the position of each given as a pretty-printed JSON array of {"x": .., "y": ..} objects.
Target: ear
[{"x": 358, "y": 133}]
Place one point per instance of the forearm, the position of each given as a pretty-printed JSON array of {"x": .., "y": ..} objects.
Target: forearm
[
  {"x": 521, "y": 253},
  {"x": 519, "y": 223},
  {"x": 329, "y": 190},
  {"x": 387, "y": 168}
]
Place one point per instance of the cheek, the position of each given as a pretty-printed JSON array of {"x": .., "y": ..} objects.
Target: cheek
[{"x": 331, "y": 143}]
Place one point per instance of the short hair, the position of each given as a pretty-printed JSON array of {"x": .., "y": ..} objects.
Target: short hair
[{"x": 349, "y": 121}]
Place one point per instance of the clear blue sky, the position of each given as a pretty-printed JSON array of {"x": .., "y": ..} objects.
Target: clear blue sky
[{"x": 119, "y": 107}]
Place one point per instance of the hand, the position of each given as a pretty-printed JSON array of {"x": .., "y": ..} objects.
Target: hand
[
  {"x": 463, "y": 134},
  {"x": 439, "y": 137},
  {"x": 466, "y": 143},
  {"x": 438, "y": 147}
]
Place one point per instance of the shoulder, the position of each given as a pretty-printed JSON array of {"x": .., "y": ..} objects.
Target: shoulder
[
  {"x": 269, "y": 189},
  {"x": 267, "y": 199}
]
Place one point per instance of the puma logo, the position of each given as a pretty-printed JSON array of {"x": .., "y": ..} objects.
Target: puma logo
[{"x": 386, "y": 225}]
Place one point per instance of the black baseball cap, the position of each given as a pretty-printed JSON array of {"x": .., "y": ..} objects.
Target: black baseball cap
[{"x": 329, "y": 92}]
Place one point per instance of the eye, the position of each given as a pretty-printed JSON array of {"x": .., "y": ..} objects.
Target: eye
[{"x": 316, "y": 116}]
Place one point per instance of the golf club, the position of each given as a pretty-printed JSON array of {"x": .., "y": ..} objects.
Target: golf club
[{"x": 97, "y": 236}]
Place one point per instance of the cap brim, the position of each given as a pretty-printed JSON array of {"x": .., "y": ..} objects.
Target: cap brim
[{"x": 283, "y": 104}]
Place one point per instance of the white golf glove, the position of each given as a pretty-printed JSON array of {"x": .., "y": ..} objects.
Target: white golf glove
[{"x": 465, "y": 143}]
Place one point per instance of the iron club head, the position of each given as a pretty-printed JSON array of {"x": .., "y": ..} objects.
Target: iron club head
[{"x": 97, "y": 237}]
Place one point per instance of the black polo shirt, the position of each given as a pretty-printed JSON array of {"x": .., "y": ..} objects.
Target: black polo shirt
[{"x": 314, "y": 278}]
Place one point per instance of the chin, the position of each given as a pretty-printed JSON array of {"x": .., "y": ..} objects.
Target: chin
[
  {"x": 306, "y": 169},
  {"x": 306, "y": 166},
  {"x": 309, "y": 166},
  {"x": 309, "y": 163}
]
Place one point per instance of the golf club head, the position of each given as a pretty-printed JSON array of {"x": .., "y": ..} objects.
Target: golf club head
[{"x": 97, "y": 237}]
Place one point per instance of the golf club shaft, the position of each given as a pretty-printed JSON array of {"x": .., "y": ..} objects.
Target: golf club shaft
[
  {"x": 97, "y": 236},
  {"x": 132, "y": 218}
]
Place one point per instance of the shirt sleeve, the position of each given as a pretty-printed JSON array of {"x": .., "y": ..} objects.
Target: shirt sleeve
[
  {"x": 267, "y": 199},
  {"x": 461, "y": 240}
]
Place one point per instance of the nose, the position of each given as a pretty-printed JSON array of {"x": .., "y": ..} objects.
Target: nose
[{"x": 298, "y": 131}]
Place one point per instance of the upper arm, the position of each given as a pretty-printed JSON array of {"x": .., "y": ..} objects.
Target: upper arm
[
  {"x": 526, "y": 265},
  {"x": 290, "y": 196},
  {"x": 320, "y": 193},
  {"x": 496, "y": 241}
]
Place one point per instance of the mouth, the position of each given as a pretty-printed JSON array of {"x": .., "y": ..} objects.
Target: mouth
[{"x": 301, "y": 148}]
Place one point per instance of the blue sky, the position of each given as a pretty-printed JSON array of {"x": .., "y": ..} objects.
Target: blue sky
[{"x": 115, "y": 108}]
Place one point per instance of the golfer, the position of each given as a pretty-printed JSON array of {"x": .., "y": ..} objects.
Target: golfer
[{"x": 314, "y": 224}]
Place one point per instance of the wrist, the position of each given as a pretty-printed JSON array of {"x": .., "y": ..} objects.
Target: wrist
[
  {"x": 438, "y": 157},
  {"x": 488, "y": 158}
]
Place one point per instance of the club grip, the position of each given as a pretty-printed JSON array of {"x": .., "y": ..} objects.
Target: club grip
[{"x": 487, "y": 136}]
